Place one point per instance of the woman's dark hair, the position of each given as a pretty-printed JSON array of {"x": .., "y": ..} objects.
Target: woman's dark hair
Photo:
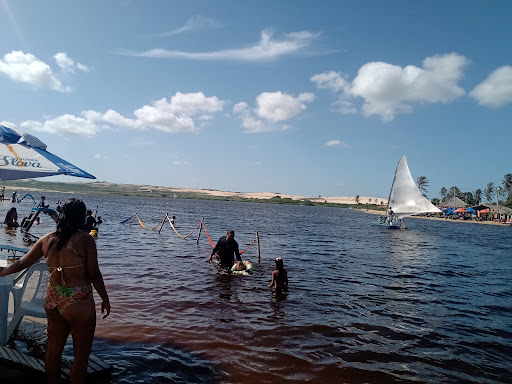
[
  {"x": 279, "y": 263},
  {"x": 71, "y": 220}
]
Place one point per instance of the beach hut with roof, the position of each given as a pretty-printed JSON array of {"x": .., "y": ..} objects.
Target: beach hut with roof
[{"x": 453, "y": 202}]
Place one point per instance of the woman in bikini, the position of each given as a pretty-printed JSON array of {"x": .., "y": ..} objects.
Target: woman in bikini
[
  {"x": 73, "y": 263},
  {"x": 279, "y": 277}
]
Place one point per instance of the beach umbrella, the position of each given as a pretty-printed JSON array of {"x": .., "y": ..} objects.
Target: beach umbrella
[
  {"x": 471, "y": 210},
  {"x": 23, "y": 156},
  {"x": 484, "y": 211},
  {"x": 460, "y": 210}
]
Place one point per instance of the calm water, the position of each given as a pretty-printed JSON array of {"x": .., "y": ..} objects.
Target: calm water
[{"x": 432, "y": 304}]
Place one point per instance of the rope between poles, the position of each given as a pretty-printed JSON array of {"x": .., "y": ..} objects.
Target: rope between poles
[{"x": 183, "y": 237}]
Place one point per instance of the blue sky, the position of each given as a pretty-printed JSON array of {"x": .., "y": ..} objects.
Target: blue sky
[{"x": 296, "y": 97}]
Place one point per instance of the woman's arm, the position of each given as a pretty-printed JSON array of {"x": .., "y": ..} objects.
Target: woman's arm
[
  {"x": 31, "y": 257},
  {"x": 273, "y": 279},
  {"x": 94, "y": 273}
]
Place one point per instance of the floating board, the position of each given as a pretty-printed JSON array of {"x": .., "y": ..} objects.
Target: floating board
[{"x": 246, "y": 272}]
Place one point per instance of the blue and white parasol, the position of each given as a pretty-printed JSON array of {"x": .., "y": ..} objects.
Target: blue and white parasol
[{"x": 23, "y": 156}]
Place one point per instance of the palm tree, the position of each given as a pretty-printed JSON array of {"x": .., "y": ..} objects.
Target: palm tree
[
  {"x": 507, "y": 184},
  {"x": 423, "y": 183},
  {"x": 489, "y": 192},
  {"x": 477, "y": 196},
  {"x": 443, "y": 193},
  {"x": 454, "y": 192}
]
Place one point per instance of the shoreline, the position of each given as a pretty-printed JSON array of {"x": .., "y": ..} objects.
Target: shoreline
[
  {"x": 103, "y": 187},
  {"x": 375, "y": 212}
]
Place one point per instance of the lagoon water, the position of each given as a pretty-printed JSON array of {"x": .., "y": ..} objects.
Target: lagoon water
[{"x": 431, "y": 304}]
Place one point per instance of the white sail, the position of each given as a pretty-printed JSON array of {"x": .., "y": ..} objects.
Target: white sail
[{"x": 405, "y": 199}]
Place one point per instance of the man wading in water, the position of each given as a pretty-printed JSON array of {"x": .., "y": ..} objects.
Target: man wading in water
[{"x": 227, "y": 247}]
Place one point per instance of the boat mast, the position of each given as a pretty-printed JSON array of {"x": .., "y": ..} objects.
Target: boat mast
[{"x": 392, "y": 185}]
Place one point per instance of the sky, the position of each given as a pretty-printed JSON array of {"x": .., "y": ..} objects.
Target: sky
[{"x": 295, "y": 97}]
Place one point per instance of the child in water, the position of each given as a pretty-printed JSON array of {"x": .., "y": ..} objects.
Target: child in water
[
  {"x": 239, "y": 266},
  {"x": 279, "y": 277}
]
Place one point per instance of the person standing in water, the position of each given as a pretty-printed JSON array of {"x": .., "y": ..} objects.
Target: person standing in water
[
  {"x": 279, "y": 277},
  {"x": 227, "y": 247},
  {"x": 72, "y": 260}
]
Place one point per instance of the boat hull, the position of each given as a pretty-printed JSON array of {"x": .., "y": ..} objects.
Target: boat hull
[
  {"x": 384, "y": 223},
  {"x": 388, "y": 226}
]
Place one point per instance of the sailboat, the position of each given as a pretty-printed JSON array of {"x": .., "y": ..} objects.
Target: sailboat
[{"x": 405, "y": 199}]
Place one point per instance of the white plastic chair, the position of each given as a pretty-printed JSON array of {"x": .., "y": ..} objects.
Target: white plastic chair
[{"x": 34, "y": 306}]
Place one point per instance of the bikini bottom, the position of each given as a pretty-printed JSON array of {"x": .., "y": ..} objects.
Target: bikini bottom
[{"x": 59, "y": 298}]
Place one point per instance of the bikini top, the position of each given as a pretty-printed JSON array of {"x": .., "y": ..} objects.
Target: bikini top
[{"x": 61, "y": 269}]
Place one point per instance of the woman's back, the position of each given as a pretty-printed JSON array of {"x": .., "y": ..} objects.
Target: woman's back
[
  {"x": 68, "y": 265},
  {"x": 281, "y": 277}
]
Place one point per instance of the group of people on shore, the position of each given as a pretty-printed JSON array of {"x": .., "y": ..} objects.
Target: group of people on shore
[{"x": 227, "y": 250}]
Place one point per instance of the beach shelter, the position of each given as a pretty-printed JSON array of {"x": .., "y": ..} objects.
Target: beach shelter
[
  {"x": 23, "y": 156},
  {"x": 453, "y": 202}
]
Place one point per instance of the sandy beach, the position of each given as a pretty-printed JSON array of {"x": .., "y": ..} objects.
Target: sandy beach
[
  {"x": 374, "y": 212},
  {"x": 270, "y": 195}
]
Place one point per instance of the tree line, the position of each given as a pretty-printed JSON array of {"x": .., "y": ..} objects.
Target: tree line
[{"x": 502, "y": 192}]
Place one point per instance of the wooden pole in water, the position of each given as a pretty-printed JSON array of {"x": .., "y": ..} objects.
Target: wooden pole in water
[
  {"x": 258, "y": 245},
  {"x": 200, "y": 227},
  {"x": 163, "y": 221}
]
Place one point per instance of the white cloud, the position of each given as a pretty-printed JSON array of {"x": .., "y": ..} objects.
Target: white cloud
[
  {"x": 64, "y": 125},
  {"x": 195, "y": 23},
  {"x": 249, "y": 122},
  {"x": 67, "y": 64},
  {"x": 268, "y": 48},
  {"x": 330, "y": 80},
  {"x": 387, "y": 89},
  {"x": 496, "y": 90},
  {"x": 336, "y": 143},
  {"x": 174, "y": 116},
  {"x": 26, "y": 68},
  {"x": 271, "y": 108},
  {"x": 278, "y": 106},
  {"x": 194, "y": 103}
]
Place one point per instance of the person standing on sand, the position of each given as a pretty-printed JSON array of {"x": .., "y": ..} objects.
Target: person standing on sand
[
  {"x": 227, "y": 247},
  {"x": 72, "y": 259}
]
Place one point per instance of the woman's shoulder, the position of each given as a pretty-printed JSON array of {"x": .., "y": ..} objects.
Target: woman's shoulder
[{"x": 82, "y": 237}]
